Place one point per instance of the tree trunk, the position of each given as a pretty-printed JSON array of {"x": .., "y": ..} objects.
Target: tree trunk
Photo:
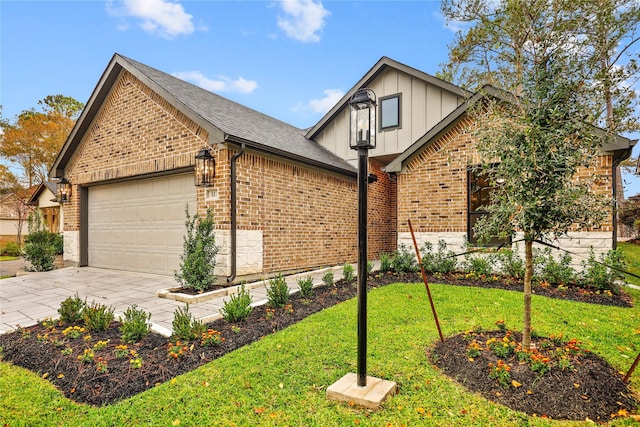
[{"x": 528, "y": 276}]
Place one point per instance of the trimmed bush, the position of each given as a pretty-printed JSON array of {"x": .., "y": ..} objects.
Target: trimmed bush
[
  {"x": 97, "y": 317},
  {"x": 40, "y": 245},
  {"x": 598, "y": 276},
  {"x": 348, "y": 272},
  {"x": 327, "y": 279},
  {"x": 306, "y": 287},
  {"x": 238, "y": 307},
  {"x": 185, "y": 326},
  {"x": 404, "y": 260},
  {"x": 549, "y": 269},
  {"x": 11, "y": 249},
  {"x": 198, "y": 260},
  {"x": 385, "y": 262},
  {"x": 278, "y": 292},
  {"x": 71, "y": 309},
  {"x": 135, "y": 324},
  {"x": 442, "y": 261}
]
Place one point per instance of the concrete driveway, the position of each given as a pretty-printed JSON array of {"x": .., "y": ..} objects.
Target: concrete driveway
[{"x": 24, "y": 300}]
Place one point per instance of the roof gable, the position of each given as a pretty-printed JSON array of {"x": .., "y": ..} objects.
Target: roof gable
[
  {"x": 618, "y": 143},
  {"x": 225, "y": 120},
  {"x": 383, "y": 64}
]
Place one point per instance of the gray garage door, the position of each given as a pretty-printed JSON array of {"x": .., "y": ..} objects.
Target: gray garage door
[{"x": 139, "y": 225}]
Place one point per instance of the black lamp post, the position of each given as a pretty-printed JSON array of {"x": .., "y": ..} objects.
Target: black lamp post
[
  {"x": 63, "y": 188},
  {"x": 205, "y": 168},
  {"x": 362, "y": 137}
]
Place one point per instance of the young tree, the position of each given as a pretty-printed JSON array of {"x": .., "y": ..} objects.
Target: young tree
[
  {"x": 33, "y": 141},
  {"x": 534, "y": 140}
]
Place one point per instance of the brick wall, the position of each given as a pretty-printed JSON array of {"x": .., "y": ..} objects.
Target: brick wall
[
  {"x": 305, "y": 217},
  {"x": 136, "y": 133},
  {"x": 432, "y": 191}
]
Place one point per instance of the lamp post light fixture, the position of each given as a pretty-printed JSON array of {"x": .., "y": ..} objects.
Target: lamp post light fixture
[
  {"x": 358, "y": 388},
  {"x": 63, "y": 188},
  {"x": 205, "y": 168},
  {"x": 362, "y": 137}
]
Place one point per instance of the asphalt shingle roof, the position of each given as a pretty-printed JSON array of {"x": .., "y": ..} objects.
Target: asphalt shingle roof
[{"x": 241, "y": 122}]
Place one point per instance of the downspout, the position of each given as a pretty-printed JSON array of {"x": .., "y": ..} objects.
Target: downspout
[
  {"x": 618, "y": 157},
  {"x": 232, "y": 277}
]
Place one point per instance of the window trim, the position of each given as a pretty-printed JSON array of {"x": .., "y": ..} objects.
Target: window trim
[
  {"x": 493, "y": 242},
  {"x": 381, "y": 101}
]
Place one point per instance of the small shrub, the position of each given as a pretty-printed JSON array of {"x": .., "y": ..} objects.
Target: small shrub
[
  {"x": 198, "y": 260},
  {"x": 11, "y": 249},
  {"x": 277, "y": 292},
  {"x": 598, "y": 276},
  {"x": 40, "y": 247},
  {"x": 551, "y": 270},
  {"x": 443, "y": 261},
  {"x": 327, "y": 279},
  {"x": 385, "y": 262},
  {"x": 135, "y": 324},
  {"x": 480, "y": 266},
  {"x": 238, "y": 307},
  {"x": 97, "y": 317},
  {"x": 369, "y": 267},
  {"x": 404, "y": 260},
  {"x": 306, "y": 287},
  {"x": 70, "y": 310},
  {"x": 185, "y": 326},
  {"x": 348, "y": 272},
  {"x": 510, "y": 263}
]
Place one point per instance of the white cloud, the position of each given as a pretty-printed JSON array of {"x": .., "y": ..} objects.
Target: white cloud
[
  {"x": 331, "y": 98},
  {"x": 165, "y": 18},
  {"x": 321, "y": 105},
  {"x": 303, "y": 19},
  {"x": 220, "y": 84}
]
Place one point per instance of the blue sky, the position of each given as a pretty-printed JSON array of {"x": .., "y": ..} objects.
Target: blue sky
[{"x": 289, "y": 59}]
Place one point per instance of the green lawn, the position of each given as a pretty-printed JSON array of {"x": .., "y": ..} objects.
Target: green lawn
[
  {"x": 282, "y": 379},
  {"x": 632, "y": 255},
  {"x": 8, "y": 258}
]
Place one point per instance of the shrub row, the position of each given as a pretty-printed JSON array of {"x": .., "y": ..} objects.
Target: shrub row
[{"x": 548, "y": 268}]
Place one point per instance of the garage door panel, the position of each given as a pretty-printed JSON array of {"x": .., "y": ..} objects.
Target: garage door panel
[{"x": 139, "y": 225}]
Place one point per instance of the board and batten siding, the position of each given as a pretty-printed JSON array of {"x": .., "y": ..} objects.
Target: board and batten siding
[{"x": 423, "y": 105}]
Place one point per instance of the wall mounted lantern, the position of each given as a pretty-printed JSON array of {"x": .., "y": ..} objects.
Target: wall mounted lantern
[
  {"x": 205, "y": 168},
  {"x": 362, "y": 127},
  {"x": 63, "y": 188}
]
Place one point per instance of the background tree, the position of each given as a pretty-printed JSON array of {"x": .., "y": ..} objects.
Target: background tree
[
  {"x": 533, "y": 142},
  {"x": 33, "y": 141}
]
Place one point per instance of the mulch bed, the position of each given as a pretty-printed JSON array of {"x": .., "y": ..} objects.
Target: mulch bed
[
  {"x": 591, "y": 389},
  {"x": 39, "y": 349}
]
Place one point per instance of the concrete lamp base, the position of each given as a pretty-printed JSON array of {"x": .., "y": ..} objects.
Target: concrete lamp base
[{"x": 346, "y": 389}]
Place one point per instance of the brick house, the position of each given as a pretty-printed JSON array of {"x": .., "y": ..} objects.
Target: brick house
[
  {"x": 44, "y": 198},
  {"x": 130, "y": 159}
]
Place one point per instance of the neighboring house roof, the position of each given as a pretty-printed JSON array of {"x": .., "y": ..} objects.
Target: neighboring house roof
[
  {"x": 618, "y": 143},
  {"x": 11, "y": 205},
  {"x": 50, "y": 185},
  {"x": 371, "y": 75},
  {"x": 225, "y": 120}
]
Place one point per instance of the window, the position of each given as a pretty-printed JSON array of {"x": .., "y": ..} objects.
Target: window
[
  {"x": 390, "y": 112},
  {"x": 479, "y": 193}
]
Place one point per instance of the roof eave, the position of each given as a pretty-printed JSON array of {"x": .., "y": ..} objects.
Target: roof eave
[{"x": 348, "y": 170}]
